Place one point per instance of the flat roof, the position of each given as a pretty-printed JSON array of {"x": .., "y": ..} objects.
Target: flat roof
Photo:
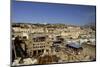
[
  {"x": 74, "y": 45},
  {"x": 38, "y": 35}
]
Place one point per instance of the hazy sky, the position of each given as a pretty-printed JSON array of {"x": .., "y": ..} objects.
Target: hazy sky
[{"x": 33, "y": 12}]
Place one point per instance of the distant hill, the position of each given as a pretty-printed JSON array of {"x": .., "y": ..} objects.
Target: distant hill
[
  {"x": 91, "y": 25},
  {"x": 42, "y": 25}
]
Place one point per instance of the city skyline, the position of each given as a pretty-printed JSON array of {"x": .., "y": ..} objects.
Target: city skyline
[{"x": 50, "y": 13}]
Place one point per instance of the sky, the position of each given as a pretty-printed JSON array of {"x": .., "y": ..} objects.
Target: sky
[{"x": 37, "y": 12}]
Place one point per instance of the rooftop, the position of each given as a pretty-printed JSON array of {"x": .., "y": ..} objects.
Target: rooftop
[{"x": 74, "y": 45}]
